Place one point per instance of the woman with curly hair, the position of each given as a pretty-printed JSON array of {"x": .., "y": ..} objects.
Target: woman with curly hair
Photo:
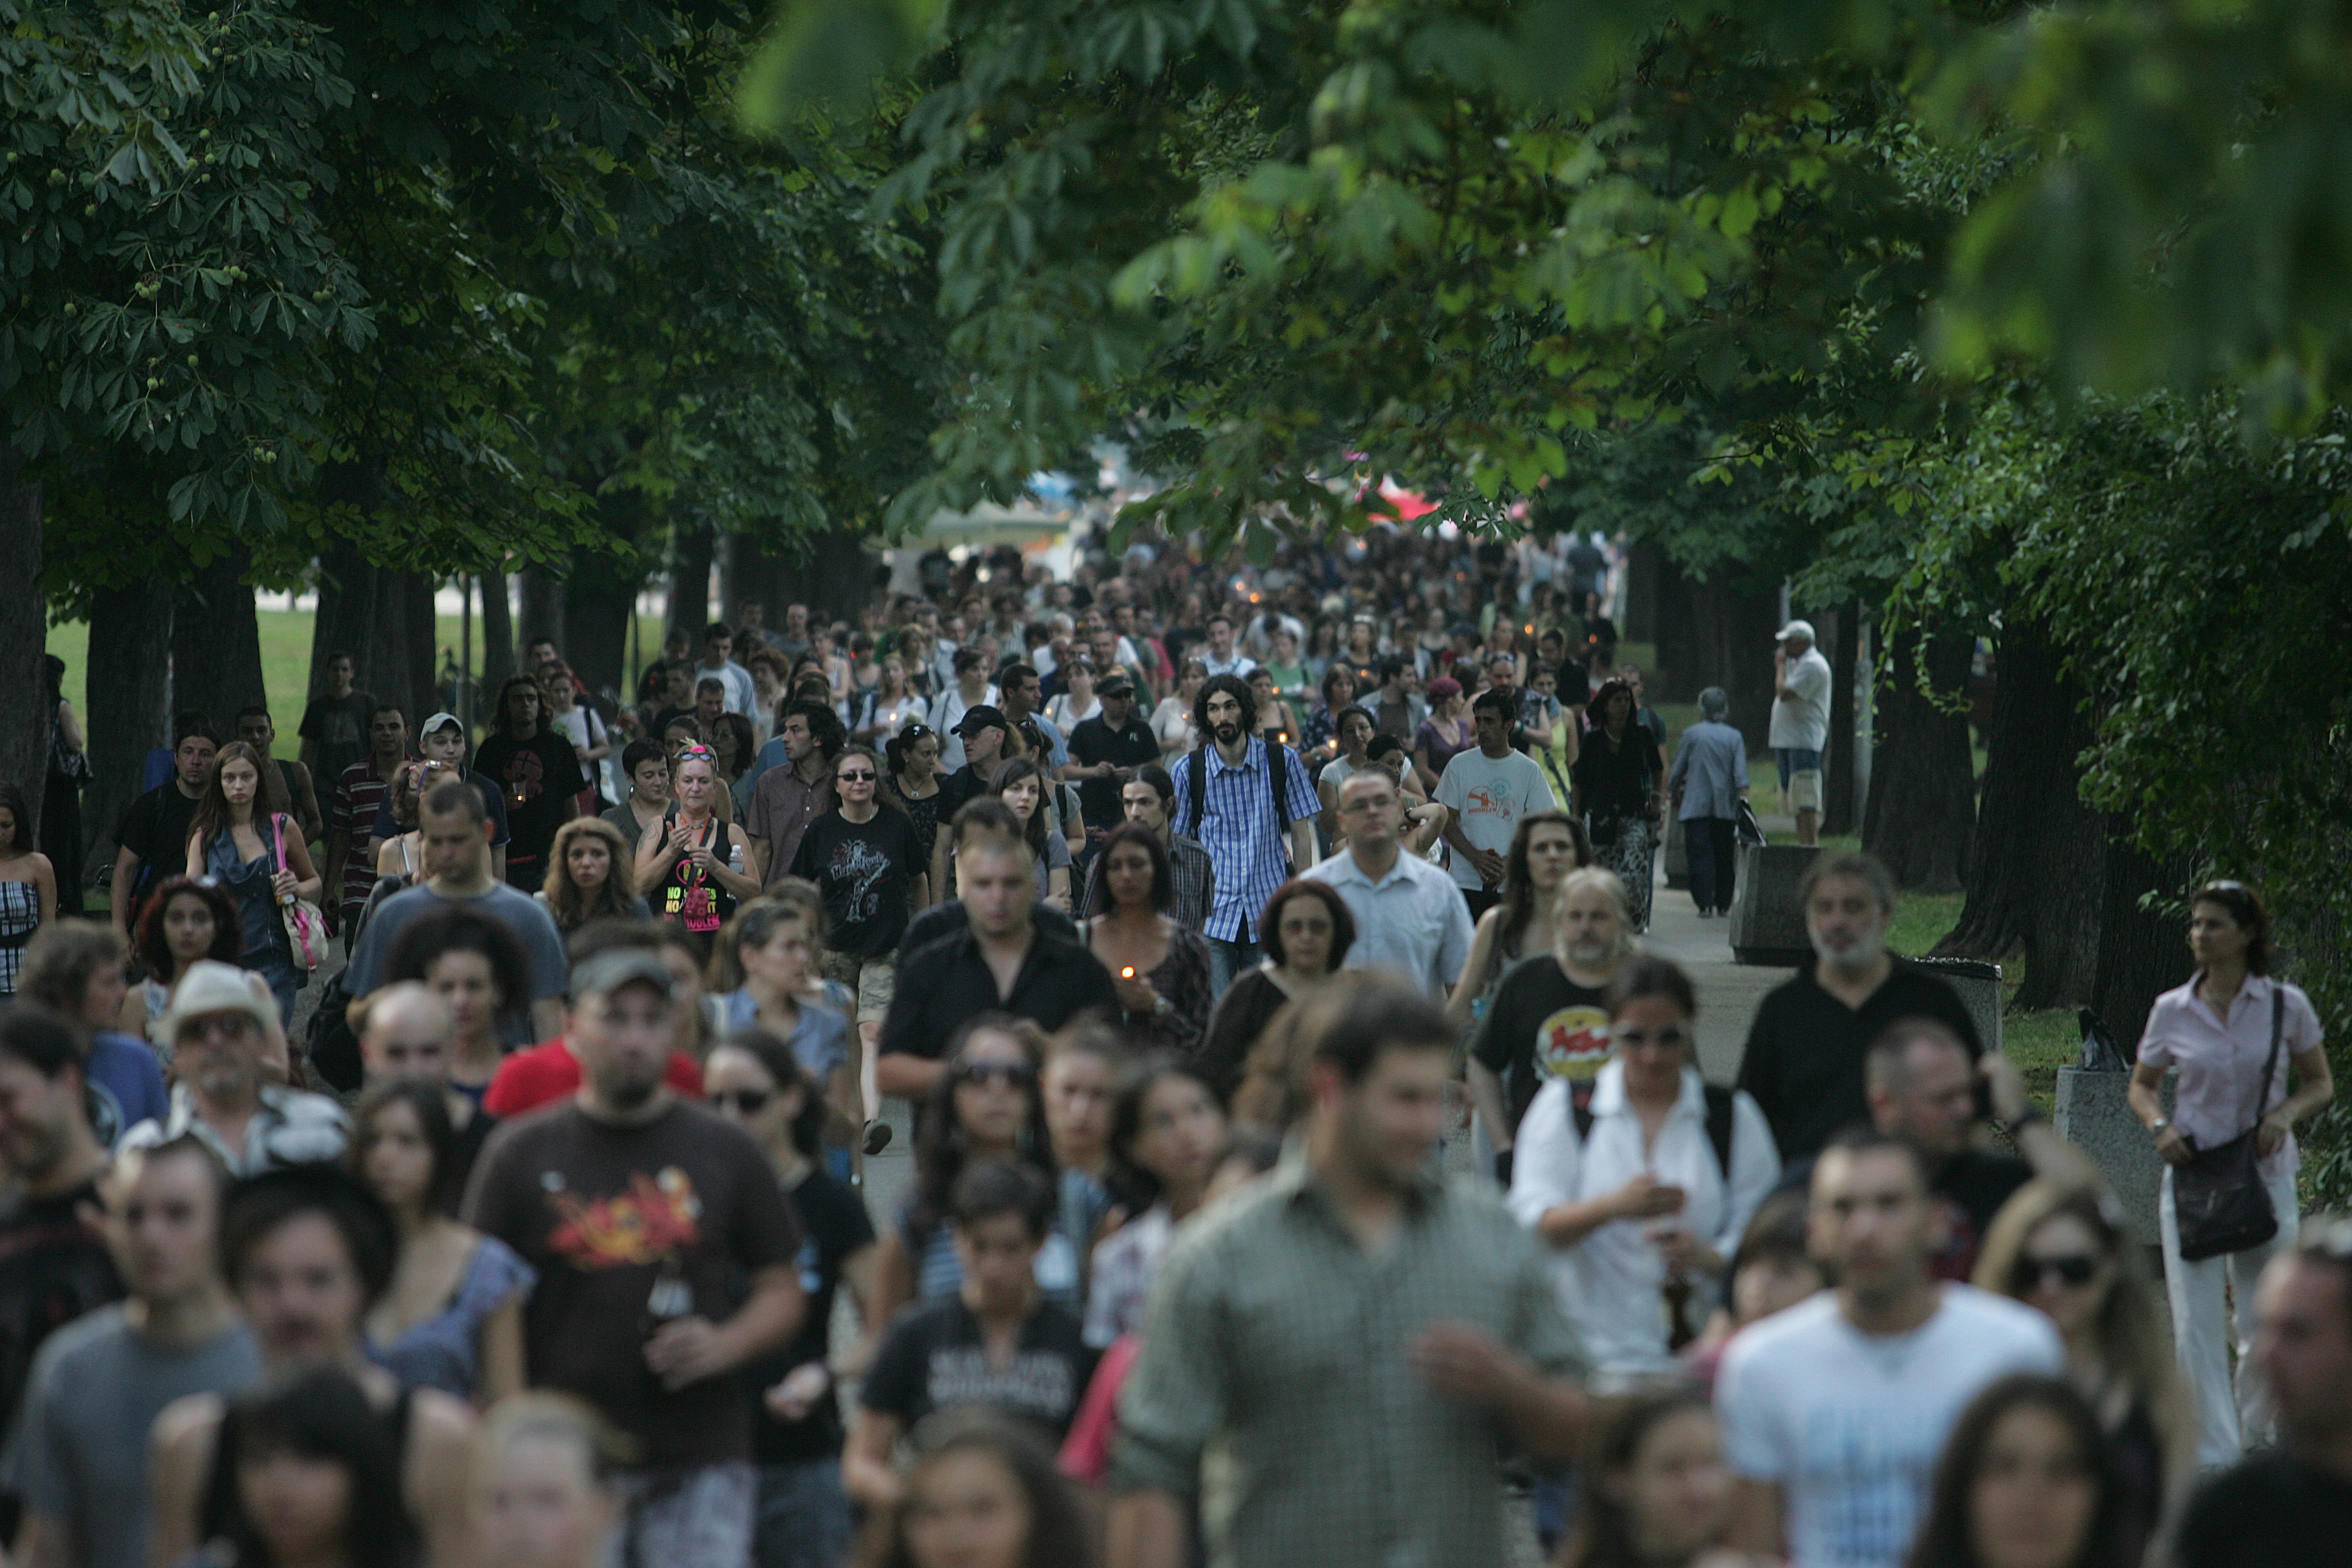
[
  {"x": 588, "y": 876},
  {"x": 186, "y": 919}
]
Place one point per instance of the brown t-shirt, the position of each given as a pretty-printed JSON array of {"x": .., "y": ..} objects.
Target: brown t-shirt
[{"x": 598, "y": 1210}]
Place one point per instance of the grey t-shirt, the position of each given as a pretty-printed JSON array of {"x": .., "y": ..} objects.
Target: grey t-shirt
[
  {"x": 533, "y": 926},
  {"x": 80, "y": 1452}
]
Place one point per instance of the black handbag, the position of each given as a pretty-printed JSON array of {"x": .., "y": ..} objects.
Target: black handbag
[{"x": 2220, "y": 1203}]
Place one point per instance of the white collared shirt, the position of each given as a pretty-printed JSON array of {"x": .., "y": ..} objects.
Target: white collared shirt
[
  {"x": 1609, "y": 1282},
  {"x": 1411, "y": 920},
  {"x": 2221, "y": 1060}
]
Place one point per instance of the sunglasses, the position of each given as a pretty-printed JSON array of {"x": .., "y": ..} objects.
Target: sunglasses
[
  {"x": 1013, "y": 1075},
  {"x": 743, "y": 1101},
  {"x": 862, "y": 776},
  {"x": 1664, "y": 1039},
  {"x": 2074, "y": 1271}
]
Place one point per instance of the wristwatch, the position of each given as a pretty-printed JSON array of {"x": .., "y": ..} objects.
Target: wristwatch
[{"x": 2159, "y": 1125}]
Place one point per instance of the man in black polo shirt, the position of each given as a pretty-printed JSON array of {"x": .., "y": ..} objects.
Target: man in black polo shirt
[
  {"x": 1805, "y": 1051},
  {"x": 1005, "y": 959},
  {"x": 1105, "y": 751}
]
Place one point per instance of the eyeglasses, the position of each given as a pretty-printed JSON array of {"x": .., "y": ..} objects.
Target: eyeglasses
[
  {"x": 1667, "y": 1039},
  {"x": 231, "y": 1027},
  {"x": 742, "y": 1101},
  {"x": 2074, "y": 1271},
  {"x": 1013, "y": 1075},
  {"x": 862, "y": 775}
]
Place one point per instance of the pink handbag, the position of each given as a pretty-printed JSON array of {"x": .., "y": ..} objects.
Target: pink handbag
[{"x": 306, "y": 926}]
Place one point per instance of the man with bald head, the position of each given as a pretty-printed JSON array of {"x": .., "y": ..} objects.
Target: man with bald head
[{"x": 406, "y": 1031}]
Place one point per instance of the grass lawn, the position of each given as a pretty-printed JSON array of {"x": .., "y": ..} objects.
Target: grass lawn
[{"x": 285, "y": 637}]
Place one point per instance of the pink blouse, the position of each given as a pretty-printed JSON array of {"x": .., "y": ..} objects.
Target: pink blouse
[{"x": 2221, "y": 1060}]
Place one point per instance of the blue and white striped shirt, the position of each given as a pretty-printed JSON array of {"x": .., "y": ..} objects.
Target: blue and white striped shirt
[{"x": 1239, "y": 828}]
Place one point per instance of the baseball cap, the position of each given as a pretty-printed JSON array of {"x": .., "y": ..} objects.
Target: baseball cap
[
  {"x": 1796, "y": 629},
  {"x": 210, "y": 986},
  {"x": 441, "y": 721},
  {"x": 1114, "y": 684},
  {"x": 619, "y": 967},
  {"x": 981, "y": 718}
]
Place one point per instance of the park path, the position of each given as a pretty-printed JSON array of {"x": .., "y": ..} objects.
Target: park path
[{"x": 1728, "y": 990}]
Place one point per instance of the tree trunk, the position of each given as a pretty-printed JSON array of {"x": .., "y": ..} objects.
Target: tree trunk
[
  {"x": 2037, "y": 862},
  {"x": 130, "y": 664},
  {"x": 2143, "y": 950},
  {"x": 24, "y": 636},
  {"x": 690, "y": 585},
  {"x": 216, "y": 648},
  {"x": 1841, "y": 792},
  {"x": 1642, "y": 596},
  {"x": 1922, "y": 804},
  {"x": 543, "y": 612},
  {"x": 835, "y": 578},
  {"x": 598, "y": 597},
  {"x": 416, "y": 590},
  {"x": 497, "y": 632}
]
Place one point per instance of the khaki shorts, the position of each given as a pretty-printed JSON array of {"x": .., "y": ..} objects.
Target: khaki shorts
[{"x": 870, "y": 979}]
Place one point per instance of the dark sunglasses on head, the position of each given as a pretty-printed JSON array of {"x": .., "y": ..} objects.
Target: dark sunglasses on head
[
  {"x": 746, "y": 1102},
  {"x": 2073, "y": 1270},
  {"x": 1014, "y": 1075}
]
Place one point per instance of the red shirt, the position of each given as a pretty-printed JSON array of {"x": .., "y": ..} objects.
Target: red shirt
[{"x": 548, "y": 1072}]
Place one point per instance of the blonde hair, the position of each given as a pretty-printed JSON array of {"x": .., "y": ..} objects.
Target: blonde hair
[
  {"x": 1607, "y": 882},
  {"x": 538, "y": 1416},
  {"x": 566, "y": 903}
]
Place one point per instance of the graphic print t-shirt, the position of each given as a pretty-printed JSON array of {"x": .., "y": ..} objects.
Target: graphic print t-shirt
[
  {"x": 539, "y": 778},
  {"x": 1541, "y": 1024},
  {"x": 935, "y": 1358},
  {"x": 603, "y": 1212},
  {"x": 862, "y": 869}
]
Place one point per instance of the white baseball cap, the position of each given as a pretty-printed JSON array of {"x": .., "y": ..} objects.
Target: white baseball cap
[
  {"x": 1793, "y": 629},
  {"x": 441, "y": 721}
]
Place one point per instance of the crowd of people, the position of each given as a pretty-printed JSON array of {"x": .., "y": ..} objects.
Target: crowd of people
[{"x": 1309, "y": 1162}]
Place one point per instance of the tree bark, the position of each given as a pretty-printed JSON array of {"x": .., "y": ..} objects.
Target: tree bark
[
  {"x": 598, "y": 596},
  {"x": 543, "y": 612},
  {"x": 1642, "y": 563},
  {"x": 1922, "y": 807},
  {"x": 375, "y": 615},
  {"x": 216, "y": 648},
  {"x": 2143, "y": 950},
  {"x": 498, "y": 631},
  {"x": 129, "y": 663},
  {"x": 24, "y": 636},
  {"x": 691, "y": 551},
  {"x": 1841, "y": 811},
  {"x": 2037, "y": 863},
  {"x": 423, "y": 650}
]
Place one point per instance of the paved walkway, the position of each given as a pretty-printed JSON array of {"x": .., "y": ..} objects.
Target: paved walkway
[{"x": 1728, "y": 990}]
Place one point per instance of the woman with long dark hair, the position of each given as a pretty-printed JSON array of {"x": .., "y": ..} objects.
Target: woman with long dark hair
[
  {"x": 1159, "y": 970},
  {"x": 2027, "y": 1480},
  {"x": 2066, "y": 1252},
  {"x": 983, "y": 1494},
  {"x": 2249, "y": 1051},
  {"x": 912, "y": 757},
  {"x": 308, "y": 1476},
  {"x": 1545, "y": 847},
  {"x": 986, "y": 1106},
  {"x": 1021, "y": 783},
  {"x": 1656, "y": 1492},
  {"x": 28, "y": 886},
  {"x": 242, "y": 838},
  {"x": 1616, "y": 781},
  {"x": 1166, "y": 1130},
  {"x": 185, "y": 919},
  {"x": 1307, "y": 932}
]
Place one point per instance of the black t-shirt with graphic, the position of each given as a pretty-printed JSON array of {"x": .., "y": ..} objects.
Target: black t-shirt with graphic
[
  {"x": 835, "y": 1229},
  {"x": 539, "y": 778},
  {"x": 935, "y": 1358},
  {"x": 863, "y": 868},
  {"x": 1540, "y": 1025}
]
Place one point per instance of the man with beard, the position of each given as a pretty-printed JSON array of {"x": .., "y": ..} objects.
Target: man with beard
[
  {"x": 647, "y": 1218},
  {"x": 218, "y": 1027},
  {"x": 1352, "y": 1280},
  {"x": 1549, "y": 1014},
  {"x": 1242, "y": 795},
  {"x": 1805, "y": 1060},
  {"x": 795, "y": 790}
]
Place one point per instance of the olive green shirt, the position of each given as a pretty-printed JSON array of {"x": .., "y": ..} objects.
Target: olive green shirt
[{"x": 1274, "y": 1334}]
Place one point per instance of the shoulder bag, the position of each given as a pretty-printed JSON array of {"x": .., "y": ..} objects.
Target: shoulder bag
[
  {"x": 2219, "y": 1199},
  {"x": 306, "y": 926}
]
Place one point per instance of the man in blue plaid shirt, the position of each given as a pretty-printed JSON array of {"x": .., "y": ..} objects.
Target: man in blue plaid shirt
[{"x": 1226, "y": 794}]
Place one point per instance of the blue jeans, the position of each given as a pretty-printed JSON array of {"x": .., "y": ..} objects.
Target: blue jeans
[
  {"x": 804, "y": 1516},
  {"x": 1796, "y": 760},
  {"x": 1227, "y": 960}
]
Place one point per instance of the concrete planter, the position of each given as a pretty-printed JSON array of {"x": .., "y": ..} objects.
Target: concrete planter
[
  {"x": 1677, "y": 854},
  {"x": 1978, "y": 984},
  {"x": 2094, "y": 1116},
  {"x": 1767, "y": 922}
]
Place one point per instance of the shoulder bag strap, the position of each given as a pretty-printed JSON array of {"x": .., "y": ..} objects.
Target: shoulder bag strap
[
  {"x": 277, "y": 838},
  {"x": 2270, "y": 1063}
]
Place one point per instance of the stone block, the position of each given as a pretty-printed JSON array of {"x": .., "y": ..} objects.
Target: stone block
[
  {"x": 1768, "y": 923},
  {"x": 1978, "y": 984},
  {"x": 1677, "y": 854},
  {"x": 2094, "y": 1116}
]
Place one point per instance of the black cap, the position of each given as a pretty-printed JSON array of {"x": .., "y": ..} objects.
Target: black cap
[
  {"x": 981, "y": 717},
  {"x": 1114, "y": 684}
]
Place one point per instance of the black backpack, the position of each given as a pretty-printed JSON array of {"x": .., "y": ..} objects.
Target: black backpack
[
  {"x": 1719, "y": 1124},
  {"x": 1278, "y": 780}
]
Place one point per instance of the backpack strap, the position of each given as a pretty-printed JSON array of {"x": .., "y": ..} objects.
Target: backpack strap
[
  {"x": 1196, "y": 786},
  {"x": 1718, "y": 1125},
  {"x": 1277, "y": 778}
]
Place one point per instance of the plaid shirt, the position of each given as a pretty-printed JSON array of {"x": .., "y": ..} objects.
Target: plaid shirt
[
  {"x": 1239, "y": 830},
  {"x": 1270, "y": 1328}
]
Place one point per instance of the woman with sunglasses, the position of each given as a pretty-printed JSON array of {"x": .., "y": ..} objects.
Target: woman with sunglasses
[
  {"x": 1638, "y": 1202},
  {"x": 986, "y": 1106},
  {"x": 754, "y": 1079},
  {"x": 2248, "y": 1051},
  {"x": 2065, "y": 1251},
  {"x": 691, "y": 864}
]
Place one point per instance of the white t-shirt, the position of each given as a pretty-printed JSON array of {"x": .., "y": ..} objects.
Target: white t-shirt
[
  {"x": 1336, "y": 772},
  {"x": 1802, "y": 721},
  {"x": 1489, "y": 797},
  {"x": 1849, "y": 1425}
]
